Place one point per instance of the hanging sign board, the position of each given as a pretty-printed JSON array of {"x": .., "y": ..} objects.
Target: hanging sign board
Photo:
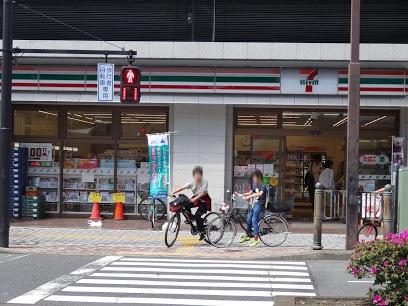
[
  {"x": 159, "y": 164},
  {"x": 94, "y": 197},
  {"x": 38, "y": 151},
  {"x": 398, "y": 156},
  {"x": 106, "y": 78},
  {"x": 118, "y": 197}
]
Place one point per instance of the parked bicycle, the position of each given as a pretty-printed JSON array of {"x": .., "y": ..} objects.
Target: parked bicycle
[
  {"x": 221, "y": 231},
  {"x": 371, "y": 216},
  {"x": 151, "y": 209},
  {"x": 173, "y": 227}
]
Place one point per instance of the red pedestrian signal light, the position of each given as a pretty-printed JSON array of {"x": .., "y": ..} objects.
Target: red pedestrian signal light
[{"x": 130, "y": 85}]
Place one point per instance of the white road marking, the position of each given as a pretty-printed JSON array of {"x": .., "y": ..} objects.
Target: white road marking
[
  {"x": 148, "y": 301},
  {"x": 291, "y": 293},
  {"x": 254, "y": 263},
  {"x": 212, "y": 265},
  {"x": 214, "y": 271},
  {"x": 119, "y": 290},
  {"x": 360, "y": 281},
  {"x": 57, "y": 284},
  {"x": 203, "y": 277},
  {"x": 191, "y": 284},
  {"x": 8, "y": 259}
]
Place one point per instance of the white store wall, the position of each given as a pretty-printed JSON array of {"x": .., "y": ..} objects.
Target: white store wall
[{"x": 201, "y": 139}]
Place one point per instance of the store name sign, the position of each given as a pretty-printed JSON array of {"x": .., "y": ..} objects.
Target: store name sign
[
  {"x": 106, "y": 79},
  {"x": 309, "y": 81},
  {"x": 38, "y": 151},
  {"x": 371, "y": 159}
]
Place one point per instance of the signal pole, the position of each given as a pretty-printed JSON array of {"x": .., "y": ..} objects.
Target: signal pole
[
  {"x": 353, "y": 127},
  {"x": 5, "y": 119}
]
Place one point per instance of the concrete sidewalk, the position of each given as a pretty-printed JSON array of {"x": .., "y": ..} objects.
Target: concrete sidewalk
[{"x": 102, "y": 241}]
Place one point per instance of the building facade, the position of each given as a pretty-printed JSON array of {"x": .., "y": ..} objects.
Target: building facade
[{"x": 238, "y": 103}]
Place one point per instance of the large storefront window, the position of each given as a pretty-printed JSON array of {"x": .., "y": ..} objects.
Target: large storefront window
[
  {"x": 88, "y": 167},
  {"x": 97, "y": 150},
  {"x": 37, "y": 123},
  {"x": 88, "y": 124},
  {"x": 284, "y": 144}
]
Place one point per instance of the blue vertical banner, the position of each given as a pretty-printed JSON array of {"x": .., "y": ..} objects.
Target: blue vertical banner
[{"x": 159, "y": 164}]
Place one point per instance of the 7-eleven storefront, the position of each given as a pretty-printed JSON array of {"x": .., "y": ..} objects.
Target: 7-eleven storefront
[{"x": 219, "y": 115}]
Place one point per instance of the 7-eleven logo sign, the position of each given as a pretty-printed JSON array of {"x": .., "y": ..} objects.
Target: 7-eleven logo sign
[{"x": 309, "y": 79}]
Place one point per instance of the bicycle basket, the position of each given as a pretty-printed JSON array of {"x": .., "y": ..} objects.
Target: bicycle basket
[{"x": 178, "y": 203}]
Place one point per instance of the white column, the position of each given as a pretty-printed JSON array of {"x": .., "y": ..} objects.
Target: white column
[{"x": 200, "y": 140}]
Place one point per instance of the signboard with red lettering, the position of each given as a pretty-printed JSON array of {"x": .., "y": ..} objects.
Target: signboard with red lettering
[{"x": 130, "y": 84}]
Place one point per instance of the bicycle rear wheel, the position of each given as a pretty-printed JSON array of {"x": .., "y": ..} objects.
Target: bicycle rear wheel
[
  {"x": 273, "y": 230},
  {"x": 172, "y": 230},
  {"x": 207, "y": 219},
  {"x": 368, "y": 232},
  {"x": 144, "y": 211},
  {"x": 221, "y": 232}
]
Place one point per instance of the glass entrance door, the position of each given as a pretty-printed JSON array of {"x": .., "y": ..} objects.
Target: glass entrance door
[{"x": 262, "y": 152}]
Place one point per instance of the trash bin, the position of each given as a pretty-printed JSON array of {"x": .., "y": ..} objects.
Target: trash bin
[{"x": 402, "y": 217}]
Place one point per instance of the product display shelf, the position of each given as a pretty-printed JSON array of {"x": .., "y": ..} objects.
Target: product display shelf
[
  {"x": 127, "y": 183},
  {"x": 47, "y": 180},
  {"x": 76, "y": 190},
  {"x": 297, "y": 165}
]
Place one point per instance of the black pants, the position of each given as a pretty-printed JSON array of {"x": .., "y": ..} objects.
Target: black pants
[
  {"x": 201, "y": 210},
  {"x": 311, "y": 196}
]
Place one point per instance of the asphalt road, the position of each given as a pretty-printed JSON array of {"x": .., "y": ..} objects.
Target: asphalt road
[{"x": 93, "y": 280}]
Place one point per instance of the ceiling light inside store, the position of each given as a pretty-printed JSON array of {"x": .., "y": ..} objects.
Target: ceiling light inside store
[
  {"x": 47, "y": 113},
  {"x": 374, "y": 121},
  {"x": 340, "y": 122}
]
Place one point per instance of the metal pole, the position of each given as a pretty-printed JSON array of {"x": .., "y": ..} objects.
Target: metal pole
[
  {"x": 318, "y": 217},
  {"x": 5, "y": 116},
  {"x": 353, "y": 127},
  {"x": 387, "y": 210}
]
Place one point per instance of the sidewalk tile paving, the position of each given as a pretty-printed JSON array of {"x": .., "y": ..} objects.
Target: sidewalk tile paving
[{"x": 102, "y": 241}]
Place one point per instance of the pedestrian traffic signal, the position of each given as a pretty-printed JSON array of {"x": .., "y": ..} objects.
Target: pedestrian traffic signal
[{"x": 130, "y": 84}]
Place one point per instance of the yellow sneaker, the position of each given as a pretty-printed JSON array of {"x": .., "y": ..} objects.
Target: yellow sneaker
[
  {"x": 244, "y": 238},
  {"x": 254, "y": 242}
]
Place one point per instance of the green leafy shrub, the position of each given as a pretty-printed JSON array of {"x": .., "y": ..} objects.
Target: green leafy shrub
[{"x": 386, "y": 261}]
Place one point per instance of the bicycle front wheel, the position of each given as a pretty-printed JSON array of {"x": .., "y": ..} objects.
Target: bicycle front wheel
[
  {"x": 172, "y": 230},
  {"x": 273, "y": 230},
  {"x": 221, "y": 232},
  {"x": 368, "y": 232}
]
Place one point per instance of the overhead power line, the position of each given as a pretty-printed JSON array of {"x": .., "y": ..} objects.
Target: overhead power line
[{"x": 25, "y": 7}]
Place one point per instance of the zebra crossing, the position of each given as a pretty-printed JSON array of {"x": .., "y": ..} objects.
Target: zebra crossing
[{"x": 173, "y": 281}]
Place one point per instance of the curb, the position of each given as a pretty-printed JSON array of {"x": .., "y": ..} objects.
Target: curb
[
  {"x": 293, "y": 301},
  {"x": 316, "y": 255}
]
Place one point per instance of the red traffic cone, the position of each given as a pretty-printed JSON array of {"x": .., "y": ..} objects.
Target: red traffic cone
[
  {"x": 96, "y": 212},
  {"x": 119, "y": 211}
]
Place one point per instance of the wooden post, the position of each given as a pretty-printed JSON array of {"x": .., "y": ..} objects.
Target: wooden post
[{"x": 318, "y": 217}]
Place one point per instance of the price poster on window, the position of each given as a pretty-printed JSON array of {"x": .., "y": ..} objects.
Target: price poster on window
[{"x": 38, "y": 151}]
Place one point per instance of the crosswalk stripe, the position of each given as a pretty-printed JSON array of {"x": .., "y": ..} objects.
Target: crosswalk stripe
[
  {"x": 200, "y": 265},
  {"x": 255, "y": 263},
  {"x": 57, "y": 284},
  {"x": 203, "y": 277},
  {"x": 291, "y": 293},
  {"x": 148, "y": 301},
  {"x": 213, "y": 271},
  {"x": 208, "y": 292},
  {"x": 192, "y": 284}
]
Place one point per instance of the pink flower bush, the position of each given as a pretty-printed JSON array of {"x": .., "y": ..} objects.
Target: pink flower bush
[{"x": 387, "y": 262}]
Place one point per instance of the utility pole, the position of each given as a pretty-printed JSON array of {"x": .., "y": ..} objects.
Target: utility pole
[
  {"x": 353, "y": 127},
  {"x": 5, "y": 119}
]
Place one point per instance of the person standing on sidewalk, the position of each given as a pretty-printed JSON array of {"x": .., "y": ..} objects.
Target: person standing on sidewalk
[{"x": 257, "y": 196}]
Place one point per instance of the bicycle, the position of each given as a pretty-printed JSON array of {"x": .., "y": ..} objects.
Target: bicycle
[
  {"x": 151, "y": 209},
  {"x": 221, "y": 232},
  {"x": 173, "y": 227},
  {"x": 371, "y": 213}
]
